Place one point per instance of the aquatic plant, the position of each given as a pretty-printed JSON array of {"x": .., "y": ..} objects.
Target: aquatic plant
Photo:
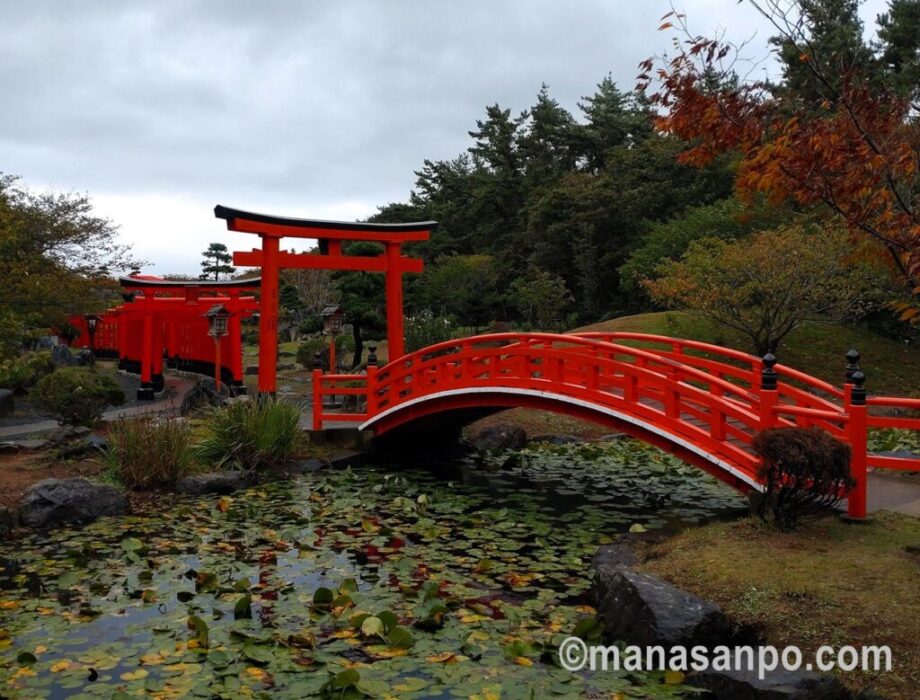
[
  {"x": 251, "y": 434},
  {"x": 148, "y": 451}
]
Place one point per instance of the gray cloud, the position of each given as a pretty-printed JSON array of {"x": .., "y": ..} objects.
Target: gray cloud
[{"x": 313, "y": 108}]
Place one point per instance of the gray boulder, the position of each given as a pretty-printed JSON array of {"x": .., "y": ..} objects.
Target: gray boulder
[
  {"x": 554, "y": 440},
  {"x": 7, "y": 403},
  {"x": 643, "y": 609},
  {"x": 79, "y": 449},
  {"x": 16, "y": 446},
  {"x": 221, "y": 483},
  {"x": 613, "y": 437},
  {"x": 777, "y": 684},
  {"x": 54, "y": 502},
  {"x": 305, "y": 466},
  {"x": 609, "y": 556},
  {"x": 62, "y": 356},
  {"x": 200, "y": 396},
  {"x": 7, "y": 522},
  {"x": 500, "y": 436}
]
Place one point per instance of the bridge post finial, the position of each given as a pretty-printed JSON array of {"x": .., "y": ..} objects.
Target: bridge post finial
[
  {"x": 372, "y": 356},
  {"x": 317, "y": 360},
  {"x": 857, "y": 437},
  {"x": 768, "y": 374},
  {"x": 858, "y": 393},
  {"x": 853, "y": 358}
]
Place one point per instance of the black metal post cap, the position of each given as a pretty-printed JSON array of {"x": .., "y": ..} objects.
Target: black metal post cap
[
  {"x": 372, "y": 356},
  {"x": 768, "y": 375}
]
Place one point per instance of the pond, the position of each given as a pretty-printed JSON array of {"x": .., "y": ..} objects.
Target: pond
[{"x": 456, "y": 580}]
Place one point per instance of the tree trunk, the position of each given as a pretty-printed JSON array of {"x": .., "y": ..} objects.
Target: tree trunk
[{"x": 359, "y": 343}]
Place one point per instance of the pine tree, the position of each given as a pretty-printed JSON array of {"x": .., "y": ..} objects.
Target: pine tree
[{"x": 216, "y": 262}]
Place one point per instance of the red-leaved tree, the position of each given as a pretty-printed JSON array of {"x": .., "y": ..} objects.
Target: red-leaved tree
[{"x": 851, "y": 141}]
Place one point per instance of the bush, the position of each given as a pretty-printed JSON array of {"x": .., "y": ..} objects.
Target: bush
[
  {"x": 424, "y": 329},
  {"x": 148, "y": 450},
  {"x": 344, "y": 345},
  {"x": 806, "y": 472},
  {"x": 77, "y": 395},
  {"x": 20, "y": 373},
  {"x": 251, "y": 434}
]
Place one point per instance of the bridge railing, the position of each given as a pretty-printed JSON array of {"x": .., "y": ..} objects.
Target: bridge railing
[
  {"x": 344, "y": 385},
  {"x": 688, "y": 401},
  {"x": 714, "y": 397},
  {"x": 900, "y": 422}
]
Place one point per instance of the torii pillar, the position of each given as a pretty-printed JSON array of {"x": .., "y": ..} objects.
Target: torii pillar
[{"x": 330, "y": 235}]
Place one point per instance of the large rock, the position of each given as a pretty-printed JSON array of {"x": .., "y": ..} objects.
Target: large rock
[
  {"x": 200, "y": 396},
  {"x": 644, "y": 609},
  {"x": 7, "y": 522},
  {"x": 58, "y": 501},
  {"x": 305, "y": 466},
  {"x": 16, "y": 446},
  {"x": 7, "y": 403},
  {"x": 81, "y": 448},
  {"x": 777, "y": 684},
  {"x": 62, "y": 356},
  {"x": 554, "y": 440},
  {"x": 610, "y": 556},
  {"x": 500, "y": 436},
  {"x": 213, "y": 482}
]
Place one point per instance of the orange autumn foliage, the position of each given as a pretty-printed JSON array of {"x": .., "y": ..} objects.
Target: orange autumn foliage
[{"x": 856, "y": 153}]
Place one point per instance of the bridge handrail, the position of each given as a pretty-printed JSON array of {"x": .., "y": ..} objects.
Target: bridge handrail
[
  {"x": 718, "y": 400},
  {"x": 739, "y": 355},
  {"x": 396, "y": 375},
  {"x": 388, "y": 375}
]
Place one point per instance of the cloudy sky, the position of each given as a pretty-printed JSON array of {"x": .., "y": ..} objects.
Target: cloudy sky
[{"x": 162, "y": 109}]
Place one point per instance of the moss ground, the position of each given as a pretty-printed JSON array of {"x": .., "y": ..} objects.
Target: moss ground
[{"x": 827, "y": 583}]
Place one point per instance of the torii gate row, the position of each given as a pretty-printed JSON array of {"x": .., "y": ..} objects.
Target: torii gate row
[
  {"x": 167, "y": 317},
  {"x": 331, "y": 235}
]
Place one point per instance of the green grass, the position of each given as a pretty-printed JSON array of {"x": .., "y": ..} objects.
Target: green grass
[
  {"x": 891, "y": 368},
  {"x": 826, "y": 583},
  {"x": 250, "y": 434}
]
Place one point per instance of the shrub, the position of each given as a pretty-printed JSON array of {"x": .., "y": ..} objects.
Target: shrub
[
  {"x": 425, "y": 328},
  {"x": 344, "y": 344},
  {"x": 148, "y": 450},
  {"x": 77, "y": 395},
  {"x": 251, "y": 434},
  {"x": 20, "y": 373},
  {"x": 806, "y": 472}
]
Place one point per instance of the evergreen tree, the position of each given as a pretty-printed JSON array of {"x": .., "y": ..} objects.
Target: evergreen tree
[
  {"x": 216, "y": 262},
  {"x": 548, "y": 146},
  {"x": 827, "y": 48},
  {"x": 899, "y": 45},
  {"x": 613, "y": 119}
]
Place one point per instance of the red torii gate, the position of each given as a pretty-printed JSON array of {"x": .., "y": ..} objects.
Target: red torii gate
[
  {"x": 167, "y": 316},
  {"x": 330, "y": 234},
  {"x": 171, "y": 319}
]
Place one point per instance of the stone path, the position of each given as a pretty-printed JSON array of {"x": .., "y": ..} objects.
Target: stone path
[
  {"x": 177, "y": 387},
  {"x": 893, "y": 492}
]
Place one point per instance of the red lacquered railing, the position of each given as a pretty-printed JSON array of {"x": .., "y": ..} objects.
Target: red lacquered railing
[{"x": 713, "y": 398}]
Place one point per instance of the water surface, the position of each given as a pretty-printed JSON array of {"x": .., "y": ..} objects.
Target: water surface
[{"x": 472, "y": 574}]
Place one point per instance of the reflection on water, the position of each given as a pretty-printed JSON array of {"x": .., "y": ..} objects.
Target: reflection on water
[{"x": 484, "y": 567}]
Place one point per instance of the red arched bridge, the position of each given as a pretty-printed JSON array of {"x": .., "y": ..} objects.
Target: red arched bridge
[{"x": 702, "y": 402}]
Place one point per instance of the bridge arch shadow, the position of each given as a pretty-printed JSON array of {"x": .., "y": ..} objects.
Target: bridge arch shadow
[{"x": 434, "y": 416}]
